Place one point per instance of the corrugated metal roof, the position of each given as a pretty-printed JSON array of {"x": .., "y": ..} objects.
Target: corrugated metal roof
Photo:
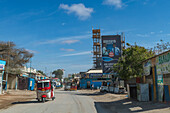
[
  {"x": 157, "y": 55},
  {"x": 95, "y": 71}
]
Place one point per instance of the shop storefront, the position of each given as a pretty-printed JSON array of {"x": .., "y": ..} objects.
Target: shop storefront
[
  {"x": 163, "y": 76},
  {"x": 157, "y": 74}
]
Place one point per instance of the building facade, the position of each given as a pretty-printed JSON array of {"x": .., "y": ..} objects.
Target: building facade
[{"x": 157, "y": 74}]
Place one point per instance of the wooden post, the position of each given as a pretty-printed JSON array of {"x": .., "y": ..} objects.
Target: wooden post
[
  {"x": 144, "y": 79},
  {"x": 154, "y": 83}
]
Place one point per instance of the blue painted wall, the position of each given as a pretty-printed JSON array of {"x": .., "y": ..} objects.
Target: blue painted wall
[
  {"x": 166, "y": 92},
  {"x": 96, "y": 84},
  {"x": 156, "y": 83},
  {"x": 83, "y": 83},
  {"x": 29, "y": 83},
  {"x": 152, "y": 93}
]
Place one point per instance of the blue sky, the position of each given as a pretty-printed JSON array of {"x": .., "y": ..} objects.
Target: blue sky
[{"x": 58, "y": 32}]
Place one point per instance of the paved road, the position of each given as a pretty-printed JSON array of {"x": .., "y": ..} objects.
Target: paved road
[{"x": 65, "y": 102}]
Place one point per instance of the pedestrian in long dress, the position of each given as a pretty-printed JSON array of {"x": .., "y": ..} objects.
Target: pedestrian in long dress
[{"x": 92, "y": 86}]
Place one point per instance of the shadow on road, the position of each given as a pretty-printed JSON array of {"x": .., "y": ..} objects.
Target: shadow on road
[
  {"x": 28, "y": 102},
  {"x": 129, "y": 106},
  {"x": 91, "y": 94}
]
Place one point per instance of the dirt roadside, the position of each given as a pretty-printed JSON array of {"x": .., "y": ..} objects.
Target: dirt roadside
[
  {"x": 119, "y": 103},
  {"x": 12, "y": 96}
]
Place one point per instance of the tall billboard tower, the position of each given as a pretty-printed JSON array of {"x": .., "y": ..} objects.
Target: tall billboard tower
[{"x": 96, "y": 48}]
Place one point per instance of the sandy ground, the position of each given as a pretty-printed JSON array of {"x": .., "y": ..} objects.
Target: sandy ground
[
  {"x": 12, "y": 96},
  {"x": 82, "y": 100},
  {"x": 65, "y": 102},
  {"x": 119, "y": 103},
  {"x": 103, "y": 97}
]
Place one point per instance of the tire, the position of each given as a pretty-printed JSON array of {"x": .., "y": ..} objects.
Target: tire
[
  {"x": 38, "y": 100},
  {"x": 53, "y": 98},
  {"x": 43, "y": 100}
]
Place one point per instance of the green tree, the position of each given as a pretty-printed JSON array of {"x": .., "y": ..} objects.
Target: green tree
[
  {"x": 130, "y": 64},
  {"x": 73, "y": 75},
  {"x": 58, "y": 73},
  {"x": 66, "y": 79}
]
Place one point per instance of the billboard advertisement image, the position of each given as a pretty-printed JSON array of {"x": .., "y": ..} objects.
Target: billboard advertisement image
[{"x": 111, "y": 51}]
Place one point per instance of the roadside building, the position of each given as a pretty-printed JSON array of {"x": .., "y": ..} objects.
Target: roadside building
[
  {"x": 11, "y": 78},
  {"x": 157, "y": 74},
  {"x": 92, "y": 77},
  {"x": 40, "y": 76},
  {"x": 21, "y": 78},
  {"x": 155, "y": 79}
]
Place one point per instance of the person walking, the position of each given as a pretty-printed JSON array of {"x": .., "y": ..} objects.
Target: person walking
[{"x": 92, "y": 86}]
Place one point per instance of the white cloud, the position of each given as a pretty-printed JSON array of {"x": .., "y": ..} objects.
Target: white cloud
[
  {"x": 69, "y": 41},
  {"x": 152, "y": 33},
  {"x": 63, "y": 24},
  {"x": 63, "y": 39},
  {"x": 142, "y": 35},
  {"x": 78, "y": 9},
  {"x": 68, "y": 50},
  {"x": 80, "y": 53},
  {"x": 116, "y": 3}
]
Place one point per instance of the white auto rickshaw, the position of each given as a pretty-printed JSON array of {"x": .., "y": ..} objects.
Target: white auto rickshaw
[{"x": 45, "y": 90}]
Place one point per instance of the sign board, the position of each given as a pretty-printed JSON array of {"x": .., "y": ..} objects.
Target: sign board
[
  {"x": 163, "y": 64},
  {"x": 95, "y": 75},
  {"x": 2, "y": 64},
  {"x": 30, "y": 83},
  {"x": 147, "y": 68},
  {"x": 2, "y": 67},
  {"x": 160, "y": 79},
  {"x": 111, "y": 51}
]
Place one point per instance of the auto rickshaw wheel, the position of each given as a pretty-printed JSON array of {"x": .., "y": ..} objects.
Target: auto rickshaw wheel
[
  {"x": 53, "y": 98},
  {"x": 43, "y": 100}
]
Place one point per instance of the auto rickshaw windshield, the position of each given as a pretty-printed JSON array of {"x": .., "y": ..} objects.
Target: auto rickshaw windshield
[
  {"x": 46, "y": 84},
  {"x": 39, "y": 85},
  {"x": 43, "y": 84}
]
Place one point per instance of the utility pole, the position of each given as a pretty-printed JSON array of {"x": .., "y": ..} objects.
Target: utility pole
[
  {"x": 45, "y": 71},
  {"x": 30, "y": 68},
  {"x": 50, "y": 75}
]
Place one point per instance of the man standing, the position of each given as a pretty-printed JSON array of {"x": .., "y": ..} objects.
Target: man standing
[
  {"x": 105, "y": 52},
  {"x": 115, "y": 50},
  {"x": 92, "y": 86}
]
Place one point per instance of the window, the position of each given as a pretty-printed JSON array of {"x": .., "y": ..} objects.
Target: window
[
  {"x": 39, "y": 85},
  {"x": 46, "y": 84}
]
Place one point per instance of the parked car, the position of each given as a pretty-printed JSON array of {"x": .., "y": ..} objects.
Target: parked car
[
  {"x": 106, "y": 87},
  {"x": 116, "y": 87}
]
